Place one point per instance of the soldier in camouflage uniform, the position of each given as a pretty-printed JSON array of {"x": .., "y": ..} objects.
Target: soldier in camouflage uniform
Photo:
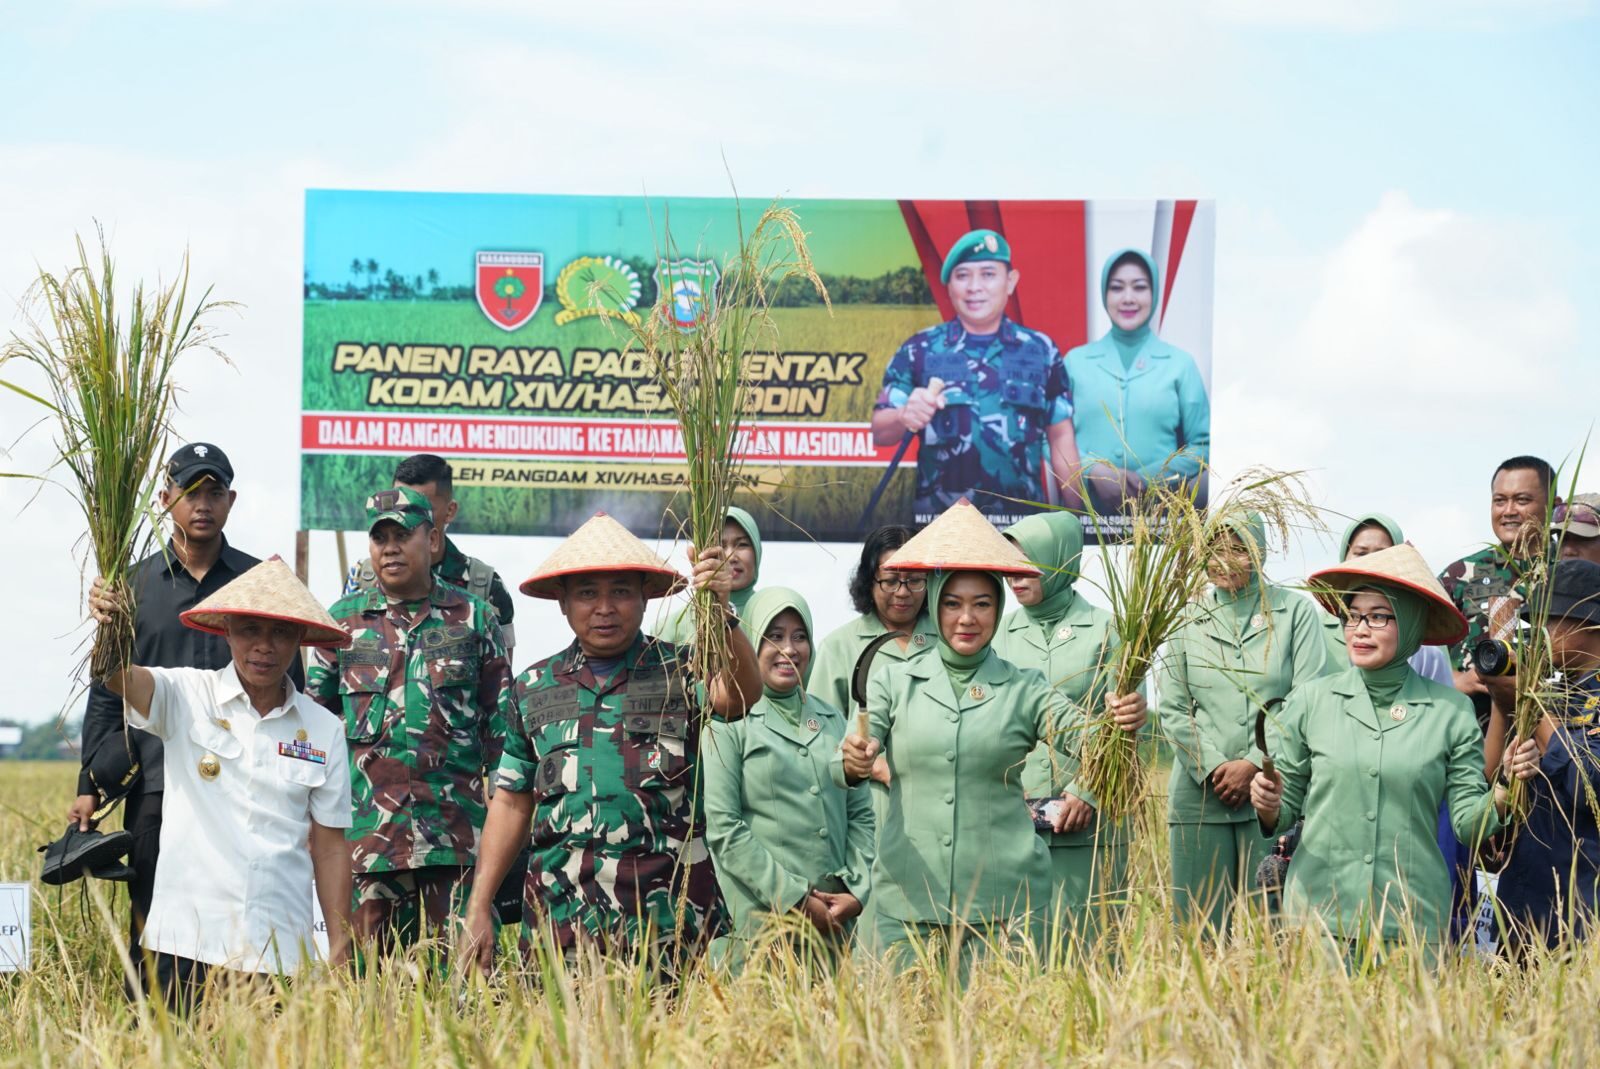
[
  {"x": 424, "y": 691},
  {"x": 602, "y": 755},
  {"x": 1484, "y": 585},
  {"x": 1001, "y": 395}
]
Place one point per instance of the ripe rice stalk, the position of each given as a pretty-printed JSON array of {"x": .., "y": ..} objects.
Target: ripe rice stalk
[
  {"x": 109, "y": 390},
  {"x": 702, "y": 363},
  {"x": 1151, "y": 582}
]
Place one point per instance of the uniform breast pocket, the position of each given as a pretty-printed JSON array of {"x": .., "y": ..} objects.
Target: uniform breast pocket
[
  {"x": 364, "y": 692},
  {"x": 656, "y": 750},
  {"x": 299, "y": 776}
]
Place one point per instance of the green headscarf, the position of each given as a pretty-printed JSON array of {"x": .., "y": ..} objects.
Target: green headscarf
[
  {"x": 1053, "y": 541},
  {"x": 1129, "y": 342},
  {"x": 1393, "y": 529},
  {"x": 761, "y": 609},
  {"x": 747, "y": 522},
  {"x": 961, "y": 666},
  {"x": 1245, "y": 602},
  {"x": 1410, "y": 620}
]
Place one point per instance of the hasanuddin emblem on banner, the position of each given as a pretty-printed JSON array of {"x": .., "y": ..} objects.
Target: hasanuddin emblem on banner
[
  {"x": 510, "y": 286},
  {"x": 689, "y": 289},
  {"x": 598, "y": 285}
]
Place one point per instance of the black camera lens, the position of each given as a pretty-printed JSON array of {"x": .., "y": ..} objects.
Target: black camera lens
[{"x": 1493, "y": 657}]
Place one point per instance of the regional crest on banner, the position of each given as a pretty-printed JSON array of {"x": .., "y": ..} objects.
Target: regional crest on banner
[
  {"x": 510, "y": 286},
  {"x": 689, "y": 289}
]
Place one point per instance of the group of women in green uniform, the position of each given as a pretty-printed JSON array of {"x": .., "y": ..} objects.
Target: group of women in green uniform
[{"x": 947, "y": 813}]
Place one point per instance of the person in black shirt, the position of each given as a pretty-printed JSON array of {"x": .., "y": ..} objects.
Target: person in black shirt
[{"x": 196, "y": 562}]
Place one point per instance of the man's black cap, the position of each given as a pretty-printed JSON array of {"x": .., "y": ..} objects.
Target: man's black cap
[
  {"x": 1575, "y": 591},
  {"x": 195, "y": 462}
]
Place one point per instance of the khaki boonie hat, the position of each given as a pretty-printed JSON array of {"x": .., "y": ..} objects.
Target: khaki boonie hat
[
  {"x": 269, "y": 591},
  {"x": 602, "y": 545},
  {"x": 1404, "y": 567},
  {"x": 961, "y": 539}
]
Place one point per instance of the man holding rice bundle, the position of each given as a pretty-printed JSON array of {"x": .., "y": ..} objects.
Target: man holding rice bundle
[
  {"x": 256, "y": 798},
  {"x": 423, "y": 691},
  {"x": 603, "y": 757}
]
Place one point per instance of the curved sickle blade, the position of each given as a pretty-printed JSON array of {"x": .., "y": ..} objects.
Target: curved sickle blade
[
  {"x": 1268, "y": 765},
  {"x": 863, "y": 670}
]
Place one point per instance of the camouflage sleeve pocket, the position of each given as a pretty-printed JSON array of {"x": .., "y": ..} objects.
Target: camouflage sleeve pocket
[{"x": 556, "y": 774}]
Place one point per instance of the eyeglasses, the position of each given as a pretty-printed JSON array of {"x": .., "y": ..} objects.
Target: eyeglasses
[
  {"x": 1377, "y": 621},
  {"x": 889, "y": 586}
]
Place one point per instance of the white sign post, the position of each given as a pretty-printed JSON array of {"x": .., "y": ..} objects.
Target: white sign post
[{"x": 16, "y": 929}]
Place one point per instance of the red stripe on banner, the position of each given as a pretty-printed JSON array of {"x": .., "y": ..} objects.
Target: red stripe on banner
[
  {"x": 930, "y": 256},
  {"x": 1050, "y": 252},
  {"x": 943, "y": 221},
  {"x": 628, "y": 440},
  {"x": 1182, "y": 219}
]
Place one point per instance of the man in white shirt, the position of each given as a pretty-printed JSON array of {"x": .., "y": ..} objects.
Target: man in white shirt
[{"x": 257, "y": 793}]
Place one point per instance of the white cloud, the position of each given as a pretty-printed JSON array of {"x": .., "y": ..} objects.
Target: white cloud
[{"x": 1373, "y": 15}]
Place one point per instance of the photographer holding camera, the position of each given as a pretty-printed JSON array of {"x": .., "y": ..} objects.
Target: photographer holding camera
[
  {"x": 1548, "y": 888},
  {"x": 1483, "y": 586}
]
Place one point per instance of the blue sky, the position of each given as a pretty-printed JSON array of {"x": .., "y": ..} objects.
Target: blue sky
[{"x": 1406, "y": 234}]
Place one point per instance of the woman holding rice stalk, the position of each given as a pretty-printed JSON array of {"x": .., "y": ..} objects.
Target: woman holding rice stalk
[
  {"x": 1244, "y": 644},
  {"x": 1060, "y": 634},
  {"x": 1368, "y": 754},
  {"x": 958, "y": 859}
]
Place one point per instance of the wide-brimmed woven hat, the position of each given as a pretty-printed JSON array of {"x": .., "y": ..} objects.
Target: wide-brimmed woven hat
[
  {"x": 1401, "y": 566},
  {"x": 602, "y": 545},
  {"x": 960, "y": 539},
  {"x": 272, "y": 592}
]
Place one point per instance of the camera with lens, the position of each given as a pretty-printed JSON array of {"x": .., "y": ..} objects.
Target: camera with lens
[{"x": 1494, "y": 657}]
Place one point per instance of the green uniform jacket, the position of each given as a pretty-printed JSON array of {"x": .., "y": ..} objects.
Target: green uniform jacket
[
  {"x": 1154, "y": 418},
  {"x": 1369, "y": 783},
  {"x": 957, "y": 840},
  {"x": 777, "y": 824},
  {"x": 1069, "y": 657},
  {"x": 1213, "y": 682},
  {"x": 835, "y": 661},
  {"x": 425, "y": 705}
]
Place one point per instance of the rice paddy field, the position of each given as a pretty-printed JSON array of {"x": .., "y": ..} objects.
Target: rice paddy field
[{"x": 1148, "y": 994}]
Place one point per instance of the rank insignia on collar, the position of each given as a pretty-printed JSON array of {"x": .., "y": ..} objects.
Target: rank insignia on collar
[
  {"x": 976, "y": 693},
  {"x": 1257, "y": 620},
  {"x": 919, "y": 640},
  {"x": 1065, "y": 632},
  {"x": 1398, "y": 713},
  {"x": 812, "y": 725}
]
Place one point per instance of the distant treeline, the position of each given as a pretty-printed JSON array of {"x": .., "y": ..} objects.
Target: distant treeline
[{"x": 371, "y": 281}]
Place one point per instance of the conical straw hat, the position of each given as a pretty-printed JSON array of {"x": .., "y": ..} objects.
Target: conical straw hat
[
  {"x": 1402, "y": 566},
  {"x": 602, "y": 545},
  {"x": 961, "y": 539},
  {"x": 272, "y": 592}
]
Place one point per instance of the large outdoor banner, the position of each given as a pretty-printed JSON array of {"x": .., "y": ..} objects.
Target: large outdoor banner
[{"x": 1012, "y": 352}]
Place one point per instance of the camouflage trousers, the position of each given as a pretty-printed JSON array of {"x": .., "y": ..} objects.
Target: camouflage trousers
[{"x": 399, "y": 909}]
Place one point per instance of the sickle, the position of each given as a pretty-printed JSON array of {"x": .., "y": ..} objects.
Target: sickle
[
  {"x": 1267, "y": 764},
  {"x": 858, "y": 679}
]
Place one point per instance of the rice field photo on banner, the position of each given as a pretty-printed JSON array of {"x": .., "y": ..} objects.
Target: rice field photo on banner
[{"x": 1020, "y": 354}]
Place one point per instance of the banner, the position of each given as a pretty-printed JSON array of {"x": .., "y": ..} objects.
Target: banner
[{"x": 971, "y": 350}]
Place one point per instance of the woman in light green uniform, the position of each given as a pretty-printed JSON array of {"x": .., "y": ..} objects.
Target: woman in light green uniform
[
  {"x": 957, "y": 847},
  {"x": 784, "y": 837},
  {"x": 1368, "y": 754},
  {"x": 741, "y": 547},
  {"x": 1369, "y": 533},
  {"x": 887, "y": 600},
  {"x": 1244, "y": 644},
  {"x": 1059, "y": 633}
]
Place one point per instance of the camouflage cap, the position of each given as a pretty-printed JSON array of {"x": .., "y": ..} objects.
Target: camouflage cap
[
  {"x": 399, "y": 504},
  {"x": 975, "y": 246}
]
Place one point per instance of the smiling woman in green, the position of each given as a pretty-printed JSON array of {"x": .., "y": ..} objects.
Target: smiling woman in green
[
  {"x": 1244, "y": 644},
  {"x": 1060, "y": 634},
  {"x": 783, "y": 836},
  {"x": 957, "y": 846},
  {"x": 1366, "y": 534},
  {"x": 1368, "y": 754},
  {"x": 741, "y": 548},
  {"x": 1140, "y": 413}
]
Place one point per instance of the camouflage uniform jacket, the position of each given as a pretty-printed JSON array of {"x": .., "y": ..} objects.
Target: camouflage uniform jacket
[
  {"x": 618, "y": 830},
  {"x": 424, "y": 703},
  {"x": 1480, "y": 586},
  {"x": 990, "y": 436},
  {"x": 455, "y": 568}
]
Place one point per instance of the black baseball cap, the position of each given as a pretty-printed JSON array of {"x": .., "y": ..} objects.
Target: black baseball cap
[
  {"x": 196, "y": 461},
  {"x": 1575, "y": 591}
]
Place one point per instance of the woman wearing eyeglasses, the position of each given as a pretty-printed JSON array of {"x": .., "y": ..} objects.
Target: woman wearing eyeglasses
[
  {"x": 887, "y": 600},
  {"x": 1060, "y": 634},
  {"x": 1368, "y": 754},
  {"x": 1367, "y": 534},
  {"x": 1245, "y": 644}
]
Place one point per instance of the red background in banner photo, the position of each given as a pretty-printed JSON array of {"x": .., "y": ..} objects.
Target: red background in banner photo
[{"x": 1048, "y": 249}]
